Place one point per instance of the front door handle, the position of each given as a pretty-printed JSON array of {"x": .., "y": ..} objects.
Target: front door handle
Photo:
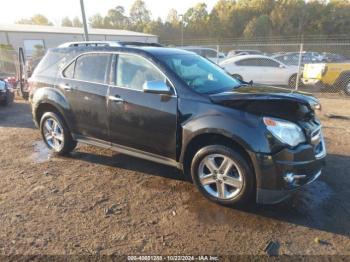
[
  {"x": 116, "y": 99},
  {"x": 66, "y": 87}
]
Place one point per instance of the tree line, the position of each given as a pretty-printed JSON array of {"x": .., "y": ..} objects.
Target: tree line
[{"x": 247, "y": 19}]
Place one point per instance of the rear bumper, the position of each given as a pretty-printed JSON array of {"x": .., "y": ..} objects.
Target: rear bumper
[{"x": 281, "y": 174}]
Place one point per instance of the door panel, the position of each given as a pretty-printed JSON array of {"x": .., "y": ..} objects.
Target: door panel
[
  {"x": 85, "y": 87},
  {"x": 143, "y": 121},
  {"x": 140, "y": 120}
]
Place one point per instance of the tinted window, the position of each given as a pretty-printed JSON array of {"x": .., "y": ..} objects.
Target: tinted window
[
  {"x": 200, "y": 74},
  {"x": 92, "y": 67},
  {"x": 209, "y": 53},
  {"x": 133, "y": 71},
  {"x": 268, "y": 63},
  {"x": 248, "y": 62}
]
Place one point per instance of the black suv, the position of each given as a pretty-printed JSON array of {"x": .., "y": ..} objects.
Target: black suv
[{"x": 176, "y": 108}]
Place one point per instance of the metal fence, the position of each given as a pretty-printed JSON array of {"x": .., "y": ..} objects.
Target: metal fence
[
  {"x": 315, "y": 65},
  {"x": 8, "y": 63}
]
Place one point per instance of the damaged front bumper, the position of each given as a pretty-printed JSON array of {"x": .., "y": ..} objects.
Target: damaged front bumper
[{"x": 281, "y": 174}]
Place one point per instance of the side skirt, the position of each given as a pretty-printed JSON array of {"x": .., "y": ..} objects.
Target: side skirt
[{"x": 127, "y": 151}]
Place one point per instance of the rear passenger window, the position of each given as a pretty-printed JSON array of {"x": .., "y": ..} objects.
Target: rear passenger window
[
  {"x": 209, "y": 53},
  {"x": 268, "y": 63},
  {"x": 69, "y": 71},
  {"x": 248, "y": 62},
  {"x": 92, "y": 68},
  {"x": 133, "y": 71}
]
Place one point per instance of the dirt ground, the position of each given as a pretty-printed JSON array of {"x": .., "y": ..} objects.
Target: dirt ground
[{"x": 100, "y": 202}]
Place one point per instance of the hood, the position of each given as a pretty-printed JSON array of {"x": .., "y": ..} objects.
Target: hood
[{"x": 269, "y": 101}]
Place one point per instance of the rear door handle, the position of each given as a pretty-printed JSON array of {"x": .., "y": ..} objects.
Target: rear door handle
[{"x": 116, "y": 99}]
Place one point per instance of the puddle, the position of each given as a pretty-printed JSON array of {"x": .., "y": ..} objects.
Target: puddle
[{"x": 41, "y": 153}]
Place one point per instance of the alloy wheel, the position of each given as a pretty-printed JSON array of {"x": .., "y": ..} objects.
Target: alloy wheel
[
  {"x": 53, "y": 133},
  {"x": 220, "y": 176}
]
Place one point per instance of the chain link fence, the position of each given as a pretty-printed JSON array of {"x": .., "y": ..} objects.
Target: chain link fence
[
  {"x": 8, "y": 63},
  {"x": 316, "y": 65}
]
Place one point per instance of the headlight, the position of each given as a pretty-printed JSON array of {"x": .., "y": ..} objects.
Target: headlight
[{"x": 285, "y": 131}]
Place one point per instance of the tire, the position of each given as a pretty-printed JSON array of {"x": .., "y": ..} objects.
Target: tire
[
  {"x": 56, "y": 134},
  {"x": 240, "y": 78},
  {"x": 209, "y": 182},
  {"x": 292, "y": 81},
  {"x": 347, "y": 87}
]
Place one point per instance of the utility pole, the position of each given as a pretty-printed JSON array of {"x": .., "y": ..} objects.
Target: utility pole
[
  {"x": 182, "y": 29},
  {"x": 86, "y": 35}
]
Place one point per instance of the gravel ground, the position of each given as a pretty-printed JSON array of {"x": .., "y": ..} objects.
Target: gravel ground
[{"x": 100, "y": 202}]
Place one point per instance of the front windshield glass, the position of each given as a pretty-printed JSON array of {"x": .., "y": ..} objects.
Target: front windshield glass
[{"x": 200, "y": 74}]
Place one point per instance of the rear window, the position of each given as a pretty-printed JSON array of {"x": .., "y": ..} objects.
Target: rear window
[{"x": 53, "y": 62}]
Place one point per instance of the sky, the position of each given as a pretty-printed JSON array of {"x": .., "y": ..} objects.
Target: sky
[{"x": 55, "y": 10}]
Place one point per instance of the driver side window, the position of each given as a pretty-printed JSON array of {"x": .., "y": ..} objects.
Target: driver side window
[{"x": 133, "y": 71}]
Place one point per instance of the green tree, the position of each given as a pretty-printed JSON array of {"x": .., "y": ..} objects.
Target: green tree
[
  {"x": 258, "y": 27},
  {"x": 35, "y": 20},
  {"x": 76, "y": 22},
  {"x": 173, "y": 17},
  {"x": 139, "y": 15},
  {"x": 116, "y": 18},
  {"x": 97, "y": 21},
  {"x": 66, "y": 22}
]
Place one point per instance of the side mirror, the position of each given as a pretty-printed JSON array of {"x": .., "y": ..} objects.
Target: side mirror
[
  {"x": 156, "y": 87},
  {"x": 282, "y": 66}
]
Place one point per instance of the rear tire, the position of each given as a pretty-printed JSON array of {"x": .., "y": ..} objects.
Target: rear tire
[
  {"x": 222, "y": 175},
  {"x": 56, "y": 134}
]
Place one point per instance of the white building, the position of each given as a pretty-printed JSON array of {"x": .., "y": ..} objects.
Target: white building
[{"x": 29, "y": 36}]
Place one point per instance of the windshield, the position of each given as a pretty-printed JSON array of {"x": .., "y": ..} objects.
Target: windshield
[{"x": 200, "y": 74}]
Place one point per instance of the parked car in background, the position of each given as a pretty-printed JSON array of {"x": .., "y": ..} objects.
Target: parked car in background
[
  {"x": 332, "y": 57},
  {"x": 174, "y": 107},
  {"x": 328, "y": 76},
  {"x": 209, "y": 53},
  {"x": 261, "y": 69},
  {"x": 6, "y": 93},
  {"x": 243, "y": 52},
  {"x": 292, "y": 58}
]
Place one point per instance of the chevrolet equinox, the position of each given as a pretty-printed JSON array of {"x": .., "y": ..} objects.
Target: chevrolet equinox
[{"x": 237, "y": 140}]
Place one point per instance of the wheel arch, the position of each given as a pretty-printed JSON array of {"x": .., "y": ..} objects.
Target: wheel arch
[
  {"x": 209, "y": 138},
  {"x": 49, "y": 100}
]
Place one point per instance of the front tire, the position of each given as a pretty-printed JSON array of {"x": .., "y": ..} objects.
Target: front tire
[
  {"x": 347, "y": 87},
  {"x": 56, "y": 134},
  {"x": 292, "y": 81},
  {"x": 222, "y": 175}
]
